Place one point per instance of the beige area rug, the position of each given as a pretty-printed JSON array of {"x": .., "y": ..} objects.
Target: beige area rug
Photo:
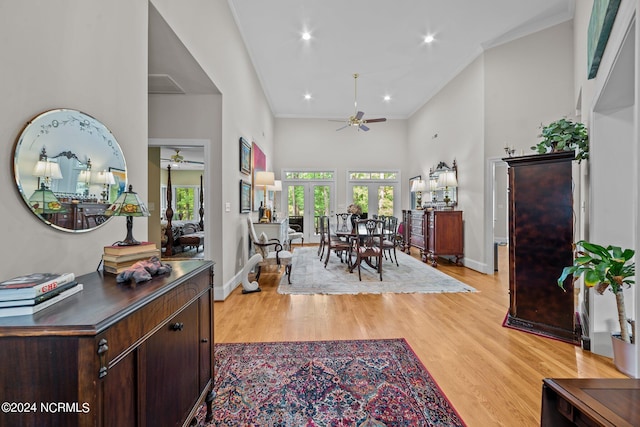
[{"x": 308, "y": 276}]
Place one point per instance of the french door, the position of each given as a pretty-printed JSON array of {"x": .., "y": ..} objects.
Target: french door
[
  {"x": 305, "y": 202},
  {"x": 375, "y": 197}
]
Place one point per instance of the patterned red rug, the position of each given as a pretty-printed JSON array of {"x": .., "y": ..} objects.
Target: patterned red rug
[{"x": 326, "y": 383}]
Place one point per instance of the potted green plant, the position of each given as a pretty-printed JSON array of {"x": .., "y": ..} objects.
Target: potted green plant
[
  {"x": 564, "y": 135},
  {"x": 606, "y": 268}
]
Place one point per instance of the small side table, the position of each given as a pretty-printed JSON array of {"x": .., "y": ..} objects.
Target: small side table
[{"x": 613, "y": 402}]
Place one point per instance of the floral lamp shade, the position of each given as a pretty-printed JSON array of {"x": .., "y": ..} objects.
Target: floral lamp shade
[
  {"x": 128, "y": 204},
  {"x": 43, "y": 201}
]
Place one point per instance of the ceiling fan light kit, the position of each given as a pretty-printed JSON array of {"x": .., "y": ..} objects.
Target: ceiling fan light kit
[{"x": 357, "y": 120}]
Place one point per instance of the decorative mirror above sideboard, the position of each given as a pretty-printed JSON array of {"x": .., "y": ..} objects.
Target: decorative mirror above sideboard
[
  {"x": 443, "y": 187},
  {"x": 68, "y": 167}
]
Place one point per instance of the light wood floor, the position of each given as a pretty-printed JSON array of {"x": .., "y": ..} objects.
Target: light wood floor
[{"x": 491, "y": 374}]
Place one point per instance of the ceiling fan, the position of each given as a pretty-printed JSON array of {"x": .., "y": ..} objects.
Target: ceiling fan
[
  {"x": 356, "y": 119},
  {"x": 179, "y": 158}
]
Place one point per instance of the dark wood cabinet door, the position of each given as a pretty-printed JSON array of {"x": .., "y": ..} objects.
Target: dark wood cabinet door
[
  {"x": 206, "y": 339},
  {"x": 540, "y": 244},
  {"x": 171, "y": 358}
]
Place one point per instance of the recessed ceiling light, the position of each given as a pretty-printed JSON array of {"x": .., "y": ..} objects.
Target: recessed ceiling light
[
  {"x": 307, "y": 96},
  {"x": 428, "y": 39},
  {"x": 306, "y": 35},
  {"x": 387, "y": 98}
]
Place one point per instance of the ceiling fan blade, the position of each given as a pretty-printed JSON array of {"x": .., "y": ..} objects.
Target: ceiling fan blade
[
  {"x": 345, "y": 126},
  {"x": 363, "y": 127},
  {"x": 359, "y": 115},
  {"x": 336, "y": 120},
  {"x": 375, "y": 120}
]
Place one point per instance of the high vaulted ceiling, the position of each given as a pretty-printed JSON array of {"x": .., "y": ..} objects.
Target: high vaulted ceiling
[{"x": 382, "y": 41}]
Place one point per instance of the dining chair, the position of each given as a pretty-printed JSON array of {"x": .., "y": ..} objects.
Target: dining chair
[
  {"x": 342, "y": 221},
  {"x": 342, "y": 247},
  {"x": 369, "y": 235},
  {"x": 389, "y": 240},
  {"x": 272, "y": 251},
  {"x": 325, "y": 233}
]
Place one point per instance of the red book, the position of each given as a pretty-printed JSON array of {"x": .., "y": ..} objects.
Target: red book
[
  {"x": 32, "y": 285},
  {"x": 133, "y": 249}
]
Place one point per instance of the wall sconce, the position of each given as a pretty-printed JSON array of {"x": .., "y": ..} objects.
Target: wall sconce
[
  {"x": 418, "y": 186},
  {"x": 129, "y": 205},
  {"x": 265, "y": 179},
  {"x": 447, "y": 180}
]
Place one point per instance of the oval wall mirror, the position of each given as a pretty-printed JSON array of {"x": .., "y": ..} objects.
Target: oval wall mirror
[{"x": 68, "y": 167}]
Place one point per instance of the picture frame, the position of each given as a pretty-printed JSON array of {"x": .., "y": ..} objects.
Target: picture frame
[
  {"x": 115, "y": 190},
  {"x": 259, "y": 163},
  {"x": 245, "y": 156},
  {"x": 245, "y": 196},
  {"x": 603, "y": 15}
]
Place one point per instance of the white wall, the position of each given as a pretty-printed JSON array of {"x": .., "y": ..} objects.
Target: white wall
[
  {"x": 208, "y": 31},
  {"x": 315, "y": 143},
  {"x": 194, "y": 117},
  {"x": 72, "y": 57},
  {"x": 456, "y": 115},
  {"x": 609, "y": 104}
]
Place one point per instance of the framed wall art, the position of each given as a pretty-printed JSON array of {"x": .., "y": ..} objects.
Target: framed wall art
[
  {"x": 120, "y": 186},
  {"x": 259, "y": 164},
  {"x": 603, "y": 14},
  {"x": 245, "y": 156},
  {"x": 245, "y": 196}
]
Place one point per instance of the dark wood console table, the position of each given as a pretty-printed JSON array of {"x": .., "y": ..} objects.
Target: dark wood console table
[
  {"x": 590, "y": 402},
  {"x": 113, "y": 355}
]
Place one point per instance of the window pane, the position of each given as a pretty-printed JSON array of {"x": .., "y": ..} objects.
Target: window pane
[
  {"x": 361, "y": 197},
  {"x": 385, "y": 200},
  {"x": 321, "y": 199},
  {"x": 185, "y": 202}
]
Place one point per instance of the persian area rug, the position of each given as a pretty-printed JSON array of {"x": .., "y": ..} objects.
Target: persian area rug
[
  {"x": 308, "y": 276},
  {"x": 326, "y": 383}
]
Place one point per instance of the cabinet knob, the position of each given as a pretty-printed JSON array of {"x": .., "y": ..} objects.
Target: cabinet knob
[
  {"x": 204, "y": 340},
  {"x": 178, "y": 326}
]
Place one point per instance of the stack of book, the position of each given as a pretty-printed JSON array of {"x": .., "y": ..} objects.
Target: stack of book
[
  {"x": 29, "y": 294},
  {"x": 116, "y": 259}
]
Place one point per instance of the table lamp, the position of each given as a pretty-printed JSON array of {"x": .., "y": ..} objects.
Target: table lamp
[
  {"x": 129, "y": 205},
  {"x": 106, "y": 179},
  {"x": 264, "y": 178},
  {"x": 447, "y": 180},
  {"x": 47, "y": 171},
  {"x": 43, "y": 201},
  {"x": 418, "y": 186},
  {"x": 276, "y": 187},
  {"x": 433, "y": 187}
]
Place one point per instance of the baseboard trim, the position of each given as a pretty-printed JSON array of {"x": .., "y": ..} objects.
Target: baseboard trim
[
  {"x": 477, "y": 266},
  {"x": 220, "y": 293}
]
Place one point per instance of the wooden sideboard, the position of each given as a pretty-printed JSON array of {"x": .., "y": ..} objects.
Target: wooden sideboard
[
  {"x": 113, "y": 354},
  {"x": 435, "y": 232},
  {"x": 587, "y": 402}
]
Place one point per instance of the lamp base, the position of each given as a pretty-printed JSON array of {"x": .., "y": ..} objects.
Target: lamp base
[{"x": 129, "y": 240}]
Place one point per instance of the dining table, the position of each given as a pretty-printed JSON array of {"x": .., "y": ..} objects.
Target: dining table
[{"x": 351, "y": 235}]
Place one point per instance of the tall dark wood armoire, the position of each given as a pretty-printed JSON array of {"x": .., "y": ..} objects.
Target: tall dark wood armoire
[{"x": 540, "y": 244}]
